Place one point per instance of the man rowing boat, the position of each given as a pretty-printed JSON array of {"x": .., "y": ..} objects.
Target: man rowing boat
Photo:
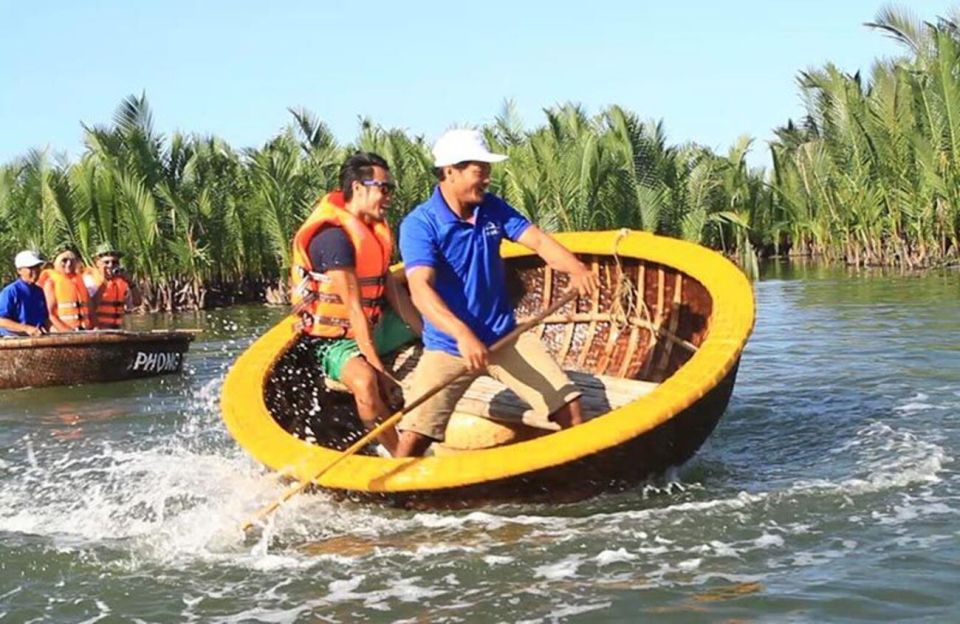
[{"x": 450, "y": 246}]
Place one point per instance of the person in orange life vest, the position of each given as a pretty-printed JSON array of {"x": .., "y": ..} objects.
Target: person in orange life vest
[
  {"x": 110, "y": 293},
  {"x": 68, "y": 302},
  {"x": 23, "y": 309},
  {"x": 341, "y": 260}
]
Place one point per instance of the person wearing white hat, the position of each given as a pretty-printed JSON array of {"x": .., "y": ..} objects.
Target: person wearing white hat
[
  {"x": 23, "y": 309},
  {"x": 450, "y": 245}
]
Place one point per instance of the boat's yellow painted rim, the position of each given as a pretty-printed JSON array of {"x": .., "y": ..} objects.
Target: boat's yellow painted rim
[{"x": 248, "y": 420}]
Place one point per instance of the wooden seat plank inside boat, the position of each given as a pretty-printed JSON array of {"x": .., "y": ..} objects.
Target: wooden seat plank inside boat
[{"x": 487, "y": 398}]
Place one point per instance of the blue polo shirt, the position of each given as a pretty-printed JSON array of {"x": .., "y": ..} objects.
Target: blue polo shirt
[
  {"x": 470, "y": 274},
  {"x": 23, "y": 303}
]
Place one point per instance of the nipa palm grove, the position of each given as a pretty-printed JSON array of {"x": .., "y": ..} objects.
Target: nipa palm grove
[{"x": 870, "y": 176}]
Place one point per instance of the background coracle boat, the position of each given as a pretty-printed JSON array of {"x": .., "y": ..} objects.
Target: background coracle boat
[
  {"x": 88, "y": 357},
  {"x": 655, "y": 351}
]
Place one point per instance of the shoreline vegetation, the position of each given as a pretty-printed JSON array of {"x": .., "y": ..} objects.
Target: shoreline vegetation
[{"x": 869, "y": 177}]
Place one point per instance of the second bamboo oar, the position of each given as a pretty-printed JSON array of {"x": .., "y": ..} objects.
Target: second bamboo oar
[{"x": 395, "y": 418}]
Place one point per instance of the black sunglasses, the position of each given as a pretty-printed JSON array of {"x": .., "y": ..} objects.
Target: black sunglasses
[{"x": 386, "y": 187}]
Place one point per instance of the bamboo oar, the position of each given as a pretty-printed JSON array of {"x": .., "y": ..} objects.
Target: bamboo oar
[{"x": 392, "y": 420}]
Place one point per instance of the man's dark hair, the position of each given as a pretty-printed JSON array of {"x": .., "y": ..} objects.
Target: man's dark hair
[
  {"x": 438, "y": 171},
  {"x": 358, "y": 168}
]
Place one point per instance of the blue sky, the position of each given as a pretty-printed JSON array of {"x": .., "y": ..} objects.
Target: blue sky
[{"x": 710, "y": 70}]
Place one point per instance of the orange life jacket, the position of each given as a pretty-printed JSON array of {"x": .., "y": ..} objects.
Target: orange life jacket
[
  {"x": 73, "y": 302},
  {"x": 44, "y": 277},
  {"x": 324, "y": 313},
  {"x": 113, "y": 299}
]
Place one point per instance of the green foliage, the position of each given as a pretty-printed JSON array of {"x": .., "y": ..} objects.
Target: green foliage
[
  {"x": 873, "y": 176},
  {"x": 870, "y": 175},
  {"x": 192, "y": 213}
]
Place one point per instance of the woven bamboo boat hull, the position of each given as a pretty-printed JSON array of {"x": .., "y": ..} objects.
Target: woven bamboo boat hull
[
  {"x": 672, "y": 315},
  {"x": 89, "y": 357}
]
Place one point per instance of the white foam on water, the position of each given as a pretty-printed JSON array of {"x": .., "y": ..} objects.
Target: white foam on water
[
  {"x": 912, "y": 508},
  {"x": 403, "y": 589},
  {"x": 569, "y": 610},
  {"x": 485, "y": 519},
  {"x": 178, "y": 499},
  {"x": 430, "y": 550},
  {"x": 262, "y": 614},
  {"x": 689, "y": 565},
  {"x": 653, "y": 551},
  {"x": 345, "y": 587},
  {"x": 565, "y": 568},
  {"x": 722, "y": 549},
  {"x": 925, "y": 543},
  {"x": 917, "y": 403},
  {"x": 887, "y": 458},
  {"x": 126, "y": 494},
  {"x": 620, "y": 555},
  {"x": 916, "y": 407},
  {"x": 768, "y": 541}
]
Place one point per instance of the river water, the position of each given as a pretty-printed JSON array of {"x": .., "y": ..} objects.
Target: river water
[{"x": 829, "y": 492}]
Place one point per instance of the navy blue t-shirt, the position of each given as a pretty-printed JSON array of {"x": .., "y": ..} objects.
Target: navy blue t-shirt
[
  {"x": 330, "y": 248},
  {"x": 23, "y": 303},
  {"x": 470, "y": 274}
]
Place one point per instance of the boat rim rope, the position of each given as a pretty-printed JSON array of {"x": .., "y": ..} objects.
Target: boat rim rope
[{"x": 628, "y": 304}]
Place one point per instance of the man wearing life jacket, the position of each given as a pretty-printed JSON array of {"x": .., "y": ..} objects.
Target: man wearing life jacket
[
  {"x": 23, "y": 309},
  {"x": 341, "y": 279},
  {"x": 110, "y": 293},
  {"x": 68, "y": 302}
]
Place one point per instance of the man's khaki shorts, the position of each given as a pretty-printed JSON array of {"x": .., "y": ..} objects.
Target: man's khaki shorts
[{"x": 524, "y": 366}]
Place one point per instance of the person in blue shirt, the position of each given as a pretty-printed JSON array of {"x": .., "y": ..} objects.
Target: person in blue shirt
[
  {"x": 23, "y": 308},
  {"x": 450, "y": 246}
]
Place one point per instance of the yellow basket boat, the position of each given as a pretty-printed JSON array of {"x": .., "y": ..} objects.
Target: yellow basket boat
[{"x": 655, "y": 352}]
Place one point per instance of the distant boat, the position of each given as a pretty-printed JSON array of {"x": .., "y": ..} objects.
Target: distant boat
[
  {"x": 655, "y": 352},
  {"x": 90, "y": 356}
]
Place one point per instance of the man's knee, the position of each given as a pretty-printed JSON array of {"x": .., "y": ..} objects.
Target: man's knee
[{"x": 361, "y": 378}]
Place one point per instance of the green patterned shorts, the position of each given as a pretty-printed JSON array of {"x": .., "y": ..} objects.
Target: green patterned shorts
[{"x": 389, "y": 334}]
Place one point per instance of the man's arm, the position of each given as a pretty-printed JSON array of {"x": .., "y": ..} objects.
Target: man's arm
[
  {"x": 399, "y": 300},
  {"x": 19, "y": 328},
  {"x": 95, "y": 298},
  {"x": 346, "y": 285},
  {"x": 9, "y": 307},
  {"x": 134, "y": 296},
  {"x": 558, "y": 257},
  {"x": 425, "y": 297}
]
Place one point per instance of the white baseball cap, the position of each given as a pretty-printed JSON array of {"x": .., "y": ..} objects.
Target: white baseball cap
[
  {"x": 462, "y": 145},
  {"x": 27, "y": 259}
]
